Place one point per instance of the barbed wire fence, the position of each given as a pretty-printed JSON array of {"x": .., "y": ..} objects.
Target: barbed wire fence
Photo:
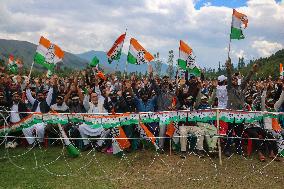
[{"x": 91, "y": 157}]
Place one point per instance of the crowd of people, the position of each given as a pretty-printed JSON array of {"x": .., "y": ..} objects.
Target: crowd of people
[{"x": 93, "y": 92}]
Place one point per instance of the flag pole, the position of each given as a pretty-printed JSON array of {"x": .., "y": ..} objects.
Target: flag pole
[
  {"x": 229, "y": 49},
  {"x": 126, "y": 64},
  {"x": 121, "y": 50},
  {"x": 219, "y": 140},
  {"x": 31, "y": 70}
]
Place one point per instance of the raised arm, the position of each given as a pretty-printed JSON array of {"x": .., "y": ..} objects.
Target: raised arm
[
  {"x": 67, "y": 96},
  {"x": 30, "y": 97},
  {"x": 80, "y": 94},
  {"x": 49, "y": 96},
  {"x": 229, "y": 73},
  {"x": 249, "y": 76},
  {"x": 29, "y": 94},
  {"x": 279, "y": 101},
  {"x": 86, "y": 102},
  {"x": 213, "y": 95},
  {"x": 198, "y": 99},
  {"x": 263, "y": 96}
]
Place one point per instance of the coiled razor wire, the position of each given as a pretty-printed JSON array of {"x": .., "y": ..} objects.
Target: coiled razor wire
[{"x": 123, "y": 158}]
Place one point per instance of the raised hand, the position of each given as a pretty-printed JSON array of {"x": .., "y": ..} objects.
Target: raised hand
[
  {"x": 229, "y": 63},
  {"x": 127, "y": 84},
  {"x": 150, "y": 68},
  {"x": 215, "y": 83},
  {"x": 119, "y": 93},
  {"x": 182, "y": 81},
  {"x": 255, "y": 68}
]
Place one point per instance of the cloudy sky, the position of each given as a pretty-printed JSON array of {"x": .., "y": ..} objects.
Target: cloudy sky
[{"x": 79, "y": 26}]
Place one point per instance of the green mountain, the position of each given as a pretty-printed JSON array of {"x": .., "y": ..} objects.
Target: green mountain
[
  {"x": 118, "y": 65},
  {"x": 26, "y": 50},
  {"x": 268, "y": 66}
]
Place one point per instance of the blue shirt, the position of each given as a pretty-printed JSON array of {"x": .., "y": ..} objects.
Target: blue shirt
[{"x": 148, "y": 106}]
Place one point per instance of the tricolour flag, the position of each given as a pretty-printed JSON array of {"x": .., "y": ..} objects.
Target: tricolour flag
[
  {"x": 48, "y": 54},
  {"x": 12, "y": 65},
  {"x": 19, "y": 63},
  {"x": 137, "y": 54},
  {"x": 120, "y": 141},
  {"x": 145, "y": 133},
  {"x": 11, "y": 60},
  {"x": 238, "y": 19},
  {"x": 186, "y": 60},
  {"x": 115, "y": 51},
  {"x": 95, "y": 61},
  {"x": 281, "y": 70}
]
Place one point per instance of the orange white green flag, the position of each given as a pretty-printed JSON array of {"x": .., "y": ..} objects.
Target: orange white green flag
[
  {"x": 186, "y": 60},
  {"x": 137, "y": 54},
  {"x": 115, "y": 51},
  {"x": 281, "y": 70},
  {"x": 48, "y": 54},
  {"x": 12, "y": 65},
  {"x": 238, "y": 19},
  {"x": 11, "y": 60}
]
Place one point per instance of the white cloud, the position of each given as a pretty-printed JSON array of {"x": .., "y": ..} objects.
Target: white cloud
[
  {"x": 266, "y": 48},
  {"x": 239, "y": 54},
  {"x": 158, "y": 25}
]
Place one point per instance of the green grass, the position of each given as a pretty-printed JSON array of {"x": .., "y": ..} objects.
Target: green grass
[{"x": 48, "y": 168}]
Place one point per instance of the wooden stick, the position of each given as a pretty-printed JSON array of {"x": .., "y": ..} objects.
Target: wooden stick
[
  {"x": 31, "y": 70},
  {"x": 219, "y": 140},
  {"x": 170, "y": 147}
]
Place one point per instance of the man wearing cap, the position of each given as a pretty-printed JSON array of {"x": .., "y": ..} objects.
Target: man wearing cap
[
  {"x": 190, "y": 127},
  {"x": 221, "y": 92},
  {"x": 131, "y": 130},
  {"x": 60, "y": 106},
  {"x": 205, "y": 103}
]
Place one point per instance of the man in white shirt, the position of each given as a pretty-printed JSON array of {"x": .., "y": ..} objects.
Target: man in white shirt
[
  {"x": 93, "y": 106},
  {"x": 17, "y": 107}
]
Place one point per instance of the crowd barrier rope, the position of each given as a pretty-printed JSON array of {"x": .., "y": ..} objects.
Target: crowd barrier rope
[{"x": 107, "y": 121}]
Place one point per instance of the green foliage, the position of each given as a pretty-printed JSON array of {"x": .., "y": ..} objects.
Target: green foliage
[
  {"x": 170, "y": 69},
  {"x": 268, "y": 66},
  {"x": 158, "y": 64}
]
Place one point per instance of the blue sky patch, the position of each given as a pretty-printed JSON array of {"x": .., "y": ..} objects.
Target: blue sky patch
[{"x": 226, "y": 3}]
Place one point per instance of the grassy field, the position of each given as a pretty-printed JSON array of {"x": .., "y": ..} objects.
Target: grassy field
[{"x": 50, "y": 168}]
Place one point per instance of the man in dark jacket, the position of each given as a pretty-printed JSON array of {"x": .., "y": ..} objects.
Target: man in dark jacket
[
  {"x": 236, "y": 101},
  {"x": 17, "y": 113},
  {"x": 42, "y": 105}
]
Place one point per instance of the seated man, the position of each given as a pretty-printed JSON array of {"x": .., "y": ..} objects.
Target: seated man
[
  {"x": 96, "y": 105},
  {"x": 60, "y": 106},
  {"x": 190, "y": 127},
  {"x": 39, "y": 104},
  {"x": 209, "y": 129}
]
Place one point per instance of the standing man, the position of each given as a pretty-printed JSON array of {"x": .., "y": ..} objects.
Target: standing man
[{"x": 236, "y": 101}]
